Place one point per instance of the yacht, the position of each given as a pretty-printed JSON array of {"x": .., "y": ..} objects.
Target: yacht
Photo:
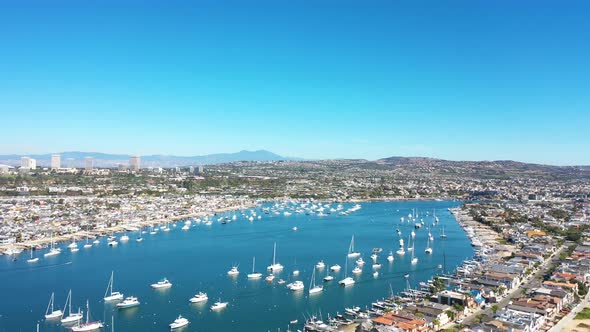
[
  {"x": 129, "y": 302},
  {"x": 320, "y": 265},
  {"x": 164, "y": 283},
  {"x": 335, "y": 268},
  {"x": 295, "y": 273},
  {"x": 254, "y": 275},
  {"x": 88, "y": 326},
  {"x": 328, "y": 278},
  {"x": 139, "y": 239},
  {"x": 179, "y": 322},
  {"x": 270, "y": 277},
  {"x": 201, "y": 297},
  {"x": 219, "y": 305},
  {"x": 97, "y": 241},
  {"x": 275, "y": 267},
  {"x": 296, "y": 286},
  {"x": 351, "y": 252},
  {"x": 360, "y": 261},
  {"x": 281, "y": 281},
  {"x": 375, "y": 274},
  {"x": 374, "y": 257},
  {"x": 313, "y": 288},
  {"x": 124, "y": 238},
  {"x": 49, "y": 312},
  {"x": 413, "y": 234},
  {"x": 112, "y": 243},
  {"x": 357, "y": 270},
  {"x": 109, "y": 295},
  {"x": 234, "y": 271}
]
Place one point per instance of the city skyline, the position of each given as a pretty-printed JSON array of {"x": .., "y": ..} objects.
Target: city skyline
[{"x": 473, "y": 81}]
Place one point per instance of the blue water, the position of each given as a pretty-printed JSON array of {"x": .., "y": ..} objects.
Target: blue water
[{"x": 198, "y": 260}]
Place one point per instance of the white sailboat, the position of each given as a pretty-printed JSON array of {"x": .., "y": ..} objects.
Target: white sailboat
[
  {"x": 49, "y": 312},
  {"x": 313, "y": 288},
  {"x": 32, "y": 259},
  {"x": 109, "y": 295},
  {"x": 254, "y": 274},
  {"x": 428, "y": 248},
  {"x": 88, "y": 326},
  {"x": 351, "y": 252},
  {"x": 390, "y": 257},
  {"x": 443, "y": 235},
  {"x": 72, "y": 317},
  {"x": 347, "y": 281},
  {"x": 401, "y": 250},
  {"x": 87, "y": 245},
  {"x": 275, "y": 267},
  {"x": 52, "y": 251},
  {"x": 414, "y": 259}
]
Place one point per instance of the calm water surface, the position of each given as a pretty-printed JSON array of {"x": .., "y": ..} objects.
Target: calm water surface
[{"x": 198, "y": 260}]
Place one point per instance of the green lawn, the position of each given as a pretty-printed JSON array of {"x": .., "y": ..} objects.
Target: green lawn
[{"x": 584, "y": 314}]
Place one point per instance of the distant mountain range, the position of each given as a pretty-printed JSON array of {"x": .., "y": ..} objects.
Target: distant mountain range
[{"x": 76, "y": 159}]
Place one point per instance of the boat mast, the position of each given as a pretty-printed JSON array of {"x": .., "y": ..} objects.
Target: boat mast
[
  {"x": 50, "y": 305},
  {"x": 274, "y": 254}
]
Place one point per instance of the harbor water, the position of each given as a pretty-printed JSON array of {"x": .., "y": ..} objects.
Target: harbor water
[{"x": 197, "y": 260}]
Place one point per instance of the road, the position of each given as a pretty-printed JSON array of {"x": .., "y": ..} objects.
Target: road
[{"x": 531, "y": 282}]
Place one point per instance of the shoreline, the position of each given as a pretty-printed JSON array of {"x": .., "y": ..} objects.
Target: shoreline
[{"x": 97, "y": 233}]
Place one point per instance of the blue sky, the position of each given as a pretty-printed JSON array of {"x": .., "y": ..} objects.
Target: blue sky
[{"x": 461, "y": 80}]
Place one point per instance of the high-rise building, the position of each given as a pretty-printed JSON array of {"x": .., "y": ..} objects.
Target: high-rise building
[
  {"x": 55, "y": 161},
  {"x": 88, "y": 163},
  {"x": 70, "y": 163},
  {"x": 201, "y": 170},
  {"x": 134, "y": 163},
  {"x": 29, "y": 163}
]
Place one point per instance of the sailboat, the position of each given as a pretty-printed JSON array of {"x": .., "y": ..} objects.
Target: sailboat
[
  {"x": 428, "y": 248},
  {"x": 313, "y": 288},
  {"x": 351, "y": 252},
  {"x": 412, "y": 247},
  {"x": 347, "y": 281},
  {"x": 72, "y": 317},
  {"x": 49, "y": 312},
  {"x": 328, "y": 277},
  {"x": 401, "y": 250},
  {"x": 254, "y": 274},
  {"x": 414, "y": 259},
  {"x": 32, "y": 259},
  {"x": 88, "y": 326},
  {"x": 109, "y": 295},
  {"x": 275, "y": 266},
  {"x": 443, "y": 235},
  {"x": 87, "y": 245},
  {"x": 52, "y": 251},
  {"x": 390, "y": 257}
]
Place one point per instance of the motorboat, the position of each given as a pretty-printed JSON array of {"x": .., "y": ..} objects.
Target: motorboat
[
  {"x": 164, "y": 283},
  {"x": 219, "y": 305},
  {"x": 233, "y": 271},
  {"x": 200, "y": 297},
  {"x": 296, "y": 285},
  {"x": 129, "y": 302},
  {"x": 179, "y": 322}
]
